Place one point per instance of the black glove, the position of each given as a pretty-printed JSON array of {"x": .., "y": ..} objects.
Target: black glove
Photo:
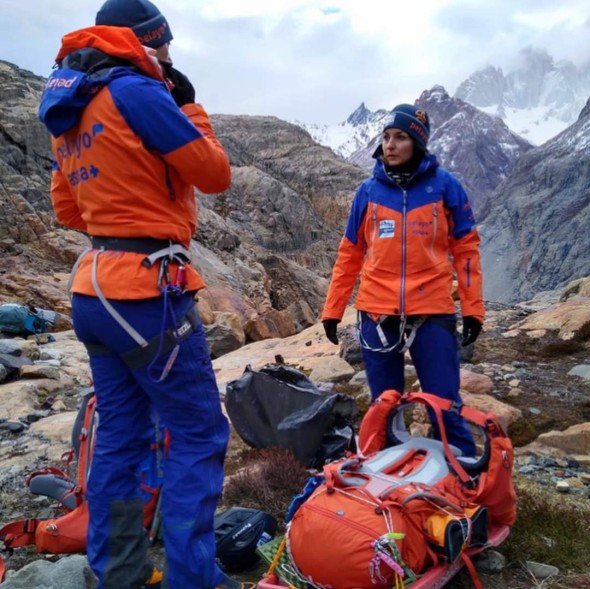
[
  {"x": 182, "y": 91},
  {"x": 330, "y": 326},
  {"x": 471, "y": 329}
]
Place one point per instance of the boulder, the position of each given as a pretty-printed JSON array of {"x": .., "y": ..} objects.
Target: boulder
[
  {"x": 40, "y": 371},
  {"x": 574, "y": 440},
  {"x": 329, "y": 369},
  {"x": 505, "y": 413},
  {"x": 71, "y": 572},
  {"x": 57, "y": 430},
  {"x": 225, "y": 335},
  {"x": 567, "y": 317},
  {"x": 478, "y": 384},
  {"x": 17, "y": 399}
]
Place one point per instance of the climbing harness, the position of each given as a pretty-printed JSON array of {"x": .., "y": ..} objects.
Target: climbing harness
[
  {"x": 407, "y": 332},
  {"x": 407, "y": 329},
  {"x": 169, "y": 339}
]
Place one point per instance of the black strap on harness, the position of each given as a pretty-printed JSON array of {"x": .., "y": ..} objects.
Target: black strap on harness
[
  {"x": 448, "y": 324},
  {"x": 137, "y": 245},
  {"x": 141, "y": 356},
  {"x": 393, "y": 322}
]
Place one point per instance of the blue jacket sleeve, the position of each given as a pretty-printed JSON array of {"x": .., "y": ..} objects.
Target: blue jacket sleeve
[
  {"x": 356, "y": 215},
  {"x": 149, "y": 109},
  {"x": 183, "y": 137},
  {"x": 457, "y": 203}
]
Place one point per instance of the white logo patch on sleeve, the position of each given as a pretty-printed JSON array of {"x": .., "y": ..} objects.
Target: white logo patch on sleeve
[{"x": 387, "y": 228}]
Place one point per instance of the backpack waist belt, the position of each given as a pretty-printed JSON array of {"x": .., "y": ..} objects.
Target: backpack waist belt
[{"x": 162, "y": 343}]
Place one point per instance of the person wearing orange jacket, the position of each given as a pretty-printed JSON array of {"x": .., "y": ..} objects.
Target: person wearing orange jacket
[
  {"x": 130, "y": 144},
  {"x": 410, "y": 226}
]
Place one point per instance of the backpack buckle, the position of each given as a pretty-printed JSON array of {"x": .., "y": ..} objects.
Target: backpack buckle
[{"x": 456, "y": 407}]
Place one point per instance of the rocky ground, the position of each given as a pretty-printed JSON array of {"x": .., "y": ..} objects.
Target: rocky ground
[
  {"x": 526, "y": 373},
  {"x": 550, "y": 399}
]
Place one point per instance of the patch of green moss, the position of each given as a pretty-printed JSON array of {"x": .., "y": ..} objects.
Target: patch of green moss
[
  {"x": 525, "y": 430},
  {"x": 551, "y": 529},
  {"x": 42, "y": 395}
]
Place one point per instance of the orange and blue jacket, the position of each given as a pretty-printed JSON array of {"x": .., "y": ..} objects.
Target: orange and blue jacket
[
  {"x": 405, "y": 243},
  {"x": 126, "y": 156}
]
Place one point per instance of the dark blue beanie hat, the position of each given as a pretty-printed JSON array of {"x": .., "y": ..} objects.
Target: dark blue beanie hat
[
  {"x": 414, "y": 121},
  {"x": 147, "y": 22}
]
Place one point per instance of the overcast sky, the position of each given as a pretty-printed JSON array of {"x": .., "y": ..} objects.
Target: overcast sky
[{"x": 317, "y": 60}]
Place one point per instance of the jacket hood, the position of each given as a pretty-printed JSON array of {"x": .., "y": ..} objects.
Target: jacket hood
[
  {"x": 88, "y": 60},
  {"x": 119, "y": 42},
  {"x": 429, "y": 162}
]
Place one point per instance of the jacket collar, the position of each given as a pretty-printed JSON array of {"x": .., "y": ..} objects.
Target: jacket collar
[{"x": 429, "y": 162}]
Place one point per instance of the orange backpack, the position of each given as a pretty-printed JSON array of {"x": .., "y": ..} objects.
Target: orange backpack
[
  {"x": 487, "y": 481},
  {"x": 386, "y": 515},
  {"x": 66, "y": 534}
]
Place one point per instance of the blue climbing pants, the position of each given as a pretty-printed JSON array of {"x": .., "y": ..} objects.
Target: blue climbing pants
[
  {"x": 436, "y": 359},
  {"x": 187, "y": 401}
]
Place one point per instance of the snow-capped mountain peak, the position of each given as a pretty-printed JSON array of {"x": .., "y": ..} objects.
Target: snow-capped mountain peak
[
  {"x": 538, "y": 99},
  {"x": 360, "y": 116},
  {"x": 353, "y": 134}
]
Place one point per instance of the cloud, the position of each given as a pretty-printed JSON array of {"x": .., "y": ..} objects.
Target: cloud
[
  {"x": 317, "y": 60},
  {"x": 292, "y": 67},
  {"x": 495, "y": 33}
]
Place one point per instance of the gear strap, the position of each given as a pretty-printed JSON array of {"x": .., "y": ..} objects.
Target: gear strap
[{"x": 142, "y": 355}]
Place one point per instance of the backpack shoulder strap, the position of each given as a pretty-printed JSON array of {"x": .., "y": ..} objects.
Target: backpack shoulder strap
[
  {"x": 487, "y": 421},
  {"x": 372, "y": 431},
  {"x": 439, "y": 405},
  {"x": 87, "y": 439}
]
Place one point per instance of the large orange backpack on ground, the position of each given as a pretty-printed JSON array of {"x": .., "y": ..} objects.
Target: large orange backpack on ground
[
  {"x": 486, "y": 481},
  {"x": 387, "y": 515},
  {"x": 66, "y": 533}
]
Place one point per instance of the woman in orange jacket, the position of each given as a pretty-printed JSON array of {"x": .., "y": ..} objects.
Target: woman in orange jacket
[{"x": 410, "y": 227}]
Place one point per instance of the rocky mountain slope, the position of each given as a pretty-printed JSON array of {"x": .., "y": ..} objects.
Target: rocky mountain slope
[
  {"x": 25, "y": 159},
  {"x": 265, "y": 247},
  {"x": 478, "y": 148},
  {"x": 536, "y": 236}
]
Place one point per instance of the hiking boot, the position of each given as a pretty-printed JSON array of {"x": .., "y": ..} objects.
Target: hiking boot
[
  {"x": 229, "y": 583},
  {"x": 155, "y": 580}
]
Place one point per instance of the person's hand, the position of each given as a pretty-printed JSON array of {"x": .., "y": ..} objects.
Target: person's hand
[
  {"x": 471, "y": 330},
  {"x": 330, "y": 326},
  {"x": 182, "y": 90}
]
